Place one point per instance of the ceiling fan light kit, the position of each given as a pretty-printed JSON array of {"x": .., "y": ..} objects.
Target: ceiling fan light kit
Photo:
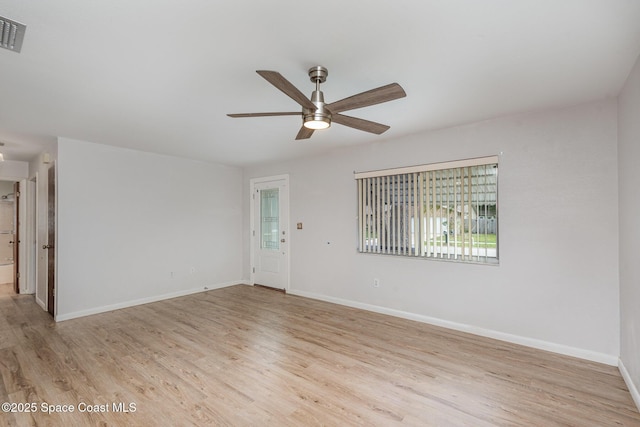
[
  {"x": 316, "y": 114},
  {"x": 320, "y": 118}
]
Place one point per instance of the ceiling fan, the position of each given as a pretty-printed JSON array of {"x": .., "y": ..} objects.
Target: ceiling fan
[{"x": 316, "y": 114}]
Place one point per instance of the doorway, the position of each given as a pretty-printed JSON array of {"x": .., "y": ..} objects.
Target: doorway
[
  {"x": 270, "y": 232},
  {"x": 8, "y": 238}
]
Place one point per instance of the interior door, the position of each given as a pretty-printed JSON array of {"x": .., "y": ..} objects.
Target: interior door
[
  {"x": 16, "y": 240},
  {"x": 51, "y": 240},
  {"x": 270, "y": 233},
  {"x": 7, "y": 238}
]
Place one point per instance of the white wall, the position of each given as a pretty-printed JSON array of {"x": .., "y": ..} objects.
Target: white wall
[
  {"x": 14, "y": 170},
  {"x": 133, "y": 225},
  {"x": 629, "y": 211},
  {"x": 557, "y": 283}
]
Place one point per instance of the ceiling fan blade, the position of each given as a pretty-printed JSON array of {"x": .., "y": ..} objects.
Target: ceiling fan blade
[
  {"x": 371, "y": 97},
  {"x": 287, "y": 88},
  {"x": 304, "y": 133},
  {"x": 360, "y": 124},
  {"x": 296, "y": 113}
]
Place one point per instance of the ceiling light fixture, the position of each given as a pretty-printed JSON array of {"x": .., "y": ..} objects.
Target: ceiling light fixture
[
  {"x": 317, "y": 123},
  {"x": 317, "y": 120}
]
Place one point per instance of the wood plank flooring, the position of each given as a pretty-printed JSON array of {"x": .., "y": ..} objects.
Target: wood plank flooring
[{"x": 250, "y": 356}]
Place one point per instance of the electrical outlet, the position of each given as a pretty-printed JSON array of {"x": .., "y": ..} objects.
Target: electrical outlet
[{"x": 376, "y": 283}]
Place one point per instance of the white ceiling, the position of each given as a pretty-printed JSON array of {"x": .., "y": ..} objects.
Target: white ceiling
[{"x": 160, "y": 75}]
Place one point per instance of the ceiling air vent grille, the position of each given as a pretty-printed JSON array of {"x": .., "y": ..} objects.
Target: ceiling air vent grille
[{"x": 11, "y": 34}]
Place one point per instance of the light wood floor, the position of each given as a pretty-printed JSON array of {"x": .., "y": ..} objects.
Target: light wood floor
[
  {"x": 251, "y": 356},
  {"x": 6, "y": 289}
]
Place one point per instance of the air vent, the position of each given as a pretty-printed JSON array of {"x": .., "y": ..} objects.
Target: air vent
[{"x": 11, "y": 34}]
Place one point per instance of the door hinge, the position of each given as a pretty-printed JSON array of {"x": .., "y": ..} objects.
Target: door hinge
[
  {"x": 18, "y": 275},
  {"x": 254, "y": 233},
  {"x": 17, "y": 194},
  {"x": 254, "y": 269}
]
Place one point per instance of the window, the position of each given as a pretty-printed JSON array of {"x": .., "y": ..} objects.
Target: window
[
  {"x": 269, "y": 219},
  {"x": 441, "y": 211}
]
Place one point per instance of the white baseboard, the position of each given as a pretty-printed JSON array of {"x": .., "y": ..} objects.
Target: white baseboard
[
  {"x": 516, "y": 339},
  {"x": 105, "y": 308},
  {"x": 633, "y": 389}
]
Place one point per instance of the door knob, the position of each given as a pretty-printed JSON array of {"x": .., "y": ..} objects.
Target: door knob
[
  {"x": 47, "y": 246},
  {"x": 282, "y": 240}
]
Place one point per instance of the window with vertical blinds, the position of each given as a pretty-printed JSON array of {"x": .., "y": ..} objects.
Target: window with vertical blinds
[{"x": 441, "y": 211}]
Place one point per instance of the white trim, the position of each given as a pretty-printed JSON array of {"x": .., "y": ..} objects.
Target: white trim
[
  {"x": 489, "y": 333},
  {"x": 31, "y": 248},
  {"x": 23, "y": 243},
  {"x": 270, "y": 178},
  {"x": 635, "y": 394},
  {"x": 428, "y": 167},
  {"x": 126, "y": 304}
]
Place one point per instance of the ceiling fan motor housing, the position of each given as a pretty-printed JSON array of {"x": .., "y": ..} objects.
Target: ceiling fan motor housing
[
  {"x": 321, "y": 117},
  {"x": 318, "y": 74}
]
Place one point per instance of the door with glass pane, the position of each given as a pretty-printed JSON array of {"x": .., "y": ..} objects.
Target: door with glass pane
[{"x": 270, "y": 233}]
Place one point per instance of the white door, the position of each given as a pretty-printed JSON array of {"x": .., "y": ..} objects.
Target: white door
[{"x": 270, "y": 233}]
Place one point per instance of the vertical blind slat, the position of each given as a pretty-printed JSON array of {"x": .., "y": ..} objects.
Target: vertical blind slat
[
  {"x": 435, "y": 227},
  {"x": 377, "y": 210},
  {"x": 407, "y": 216},
  {"x": 387, "y": 221},
  {"x": 469, "y": 210},
  {"x": 441, "y": 198},
  {"x": 392, "y": 214},
  {"x": 398, "y": 215},
  {"x": 417, "y": 215},
  {"x": 383, "y": 221},
  {"x": 369, "y": 213},
  {"x": 465, "y": 207},
  {"x": 455, "y": 172},
  {"x": 445, "y": 208},
  {"x": 421, "y": 213},
  {"x": 359, "y": 215}
]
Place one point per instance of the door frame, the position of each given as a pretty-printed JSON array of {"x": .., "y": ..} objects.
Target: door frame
[
  {"x": 50, "y": 247},
  {"x": 20, "y": 213},
  {"x": 253, "y": 205},
  {"x": 17, "y": 234},
  {"x": 30, "y": 264}
]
